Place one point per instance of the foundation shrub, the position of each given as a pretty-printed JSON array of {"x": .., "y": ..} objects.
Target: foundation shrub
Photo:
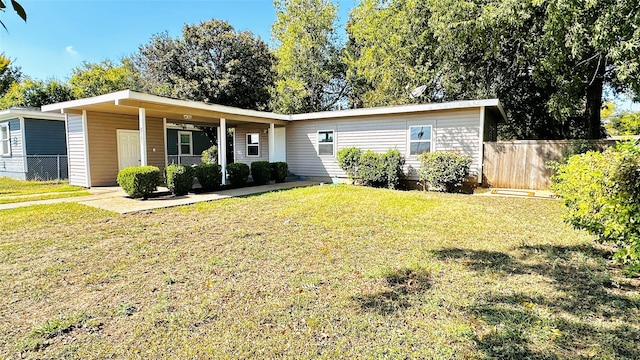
[
  {"x": 209, "y": 176},
  {"x": 279, "y": 171},
  {"x": 444, "y": 170},
  {"x": 139, "y": 181},
  {"x": 238, "y": 174},
  {"x": 179, "y": 178},
  {"x": 260, "y": 172}
]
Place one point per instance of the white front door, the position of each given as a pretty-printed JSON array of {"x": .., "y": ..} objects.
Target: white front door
[
  {"x": 128, "y": 148},
  {"x": 280, "y": 151}
]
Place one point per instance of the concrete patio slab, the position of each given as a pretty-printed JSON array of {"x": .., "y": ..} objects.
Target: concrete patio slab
[{"x": 116, "y": 200}]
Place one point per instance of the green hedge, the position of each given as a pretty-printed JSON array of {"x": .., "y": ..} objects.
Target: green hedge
[
  {"x": 139, "y": 181},
  {"x": 601, "y": 192},
  {"x": 279, "y": 171},
  {"x": 371, "y": 168},
  {"x": 179, "y": 178},
  {"x": 260, "y": 172},
  {"x": 444, "y": 170},
  {"x": 238, "y": 174},
  {"x": 209, "y": 176}
]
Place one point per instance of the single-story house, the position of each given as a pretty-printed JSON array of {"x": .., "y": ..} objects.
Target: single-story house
[
  {"x": 32, "y": 145},
  {"x": 126, "y": 128}
]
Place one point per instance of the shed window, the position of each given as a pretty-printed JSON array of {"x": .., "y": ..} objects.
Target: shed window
[
  {"x": 5, "y": 140},
  {"x": 419, "y": 139},
  {"x": 325, "y": 142},
  {"x": 253, "y": 144},
  {"x": 185, "y": 144}
]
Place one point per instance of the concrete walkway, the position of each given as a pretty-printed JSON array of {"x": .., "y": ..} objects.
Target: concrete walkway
[{"x": 114, "y": 198}]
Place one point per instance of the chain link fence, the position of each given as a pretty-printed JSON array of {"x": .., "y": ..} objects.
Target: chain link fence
[
  {"x": 47, "y": 167},
  {"x": 184, "y": 159}
]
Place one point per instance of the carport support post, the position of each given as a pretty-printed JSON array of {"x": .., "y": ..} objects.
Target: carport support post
[
  {"x": 272, "y": 141},
  {"x": 142, "y": 120},
  {"x": 222, "y": 149}
]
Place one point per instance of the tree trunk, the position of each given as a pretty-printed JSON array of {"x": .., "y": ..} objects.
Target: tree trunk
[{"x": 594, "y": 102}]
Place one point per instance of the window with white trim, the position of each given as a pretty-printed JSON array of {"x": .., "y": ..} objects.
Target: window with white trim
[
  {"x": 253, "y": 144},
  {"x": 185, "y": 143},
  {"x": 5, "y": 140},
  {"x": 325, "y": 142},
  {"x": 419, "y": 139}
]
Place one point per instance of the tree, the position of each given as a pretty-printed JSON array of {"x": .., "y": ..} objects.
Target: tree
[
  {"x": 91, "y": 79},
  {"x": 310, "y": 70},
  {"x": 16, "y": 7},
  {"x": 626, "y": 123},
  {"x": 8, "y": 74},
  {"x": 548, "y": 61},
  {"x": 211, "y": 63},
  {"x": 35, "y": 93}
]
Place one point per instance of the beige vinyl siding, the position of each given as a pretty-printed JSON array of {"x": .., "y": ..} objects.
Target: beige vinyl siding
[
  {"x": 240, "y": 146},
  {"x": 451, "y": 130},
  {"x": 103, "y": 150},
  {"x": 77, "y": 157},
  {"x": 13, "y": 165}
]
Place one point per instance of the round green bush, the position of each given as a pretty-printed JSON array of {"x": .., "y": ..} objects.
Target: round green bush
[
  {"x": 279, "y": 171},
  {"x": 209, "y": 176},
  {"x": 179, "y": 178},
  {"x": 444, "y": 170},
  {"x": 139, "y": 181},
  {"x": 260, "y": 172},
  {"x": 238, "y": 174}
]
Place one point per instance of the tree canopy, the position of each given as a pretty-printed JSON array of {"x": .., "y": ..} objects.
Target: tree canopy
[
  {"x": 9, "y": 74},
  {"x": 310, "y": 71},
  {"x": 211, "y": 62},
  {"x": 35, "y": 93},
  {"x": 93, "y": 79},
  {"x": 548, "y": 61}
]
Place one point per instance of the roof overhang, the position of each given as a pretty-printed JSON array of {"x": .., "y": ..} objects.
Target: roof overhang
[
  {"x": 128, "y": 102},
  {"x": 404, "y": 109},
  {"x": 30, "y": 114}
]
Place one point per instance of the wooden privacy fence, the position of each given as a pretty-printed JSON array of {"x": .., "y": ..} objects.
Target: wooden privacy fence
[{"x": 521, "y": 164}]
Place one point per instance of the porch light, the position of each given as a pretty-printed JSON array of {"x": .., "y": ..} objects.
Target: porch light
[{"x": 187, "y": 117}]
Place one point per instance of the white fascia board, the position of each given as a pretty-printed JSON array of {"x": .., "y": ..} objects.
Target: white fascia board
[
  {"x": 60, "y": 107},
  {"x": 403, "y": 109},
  {"x": 30, "y": 114},
  {"x": 205, "y": 106}
]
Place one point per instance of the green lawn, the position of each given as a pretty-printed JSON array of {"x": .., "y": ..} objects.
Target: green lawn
[
  {"x": 320, "y": 272},
  {"x": 13, "y": 190}
]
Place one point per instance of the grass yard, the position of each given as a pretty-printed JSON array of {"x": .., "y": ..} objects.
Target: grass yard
[
  {"x": 13, "y": 190},
  {"x": 319, "y": 272}
]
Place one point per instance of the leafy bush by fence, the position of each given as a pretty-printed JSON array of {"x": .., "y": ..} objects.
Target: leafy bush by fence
[{"x": 601, "y": 192}]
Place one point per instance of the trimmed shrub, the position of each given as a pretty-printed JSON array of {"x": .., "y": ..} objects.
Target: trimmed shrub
[
  {"x": 209, "y": 176},
  {"x": 260, "y": 172},
  {"x": 393, "y": 163},
  {"x": 210, "y": 155},
  {"x": 372, "y": 169},
  {"x": 601, "y": 192},
  {"x": 179, "y": 178},
  {"x": 279, "y": 171},
  {"x": 139, "y": 181},
  {"x": 349, "y": 159},
  {"x": 238, "y": 174},
  {"x": 444, "y": 170}
]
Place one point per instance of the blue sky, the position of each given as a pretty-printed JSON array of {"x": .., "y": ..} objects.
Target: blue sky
[{"x": 60, "y": 34}]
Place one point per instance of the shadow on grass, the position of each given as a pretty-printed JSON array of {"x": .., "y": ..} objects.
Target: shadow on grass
[
  {"x": 590, "y": 314},
  {"x": 401, "y": 284}
]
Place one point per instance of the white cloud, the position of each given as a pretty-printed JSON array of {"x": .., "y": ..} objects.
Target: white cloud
[{"x": 71, "y": 50}]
